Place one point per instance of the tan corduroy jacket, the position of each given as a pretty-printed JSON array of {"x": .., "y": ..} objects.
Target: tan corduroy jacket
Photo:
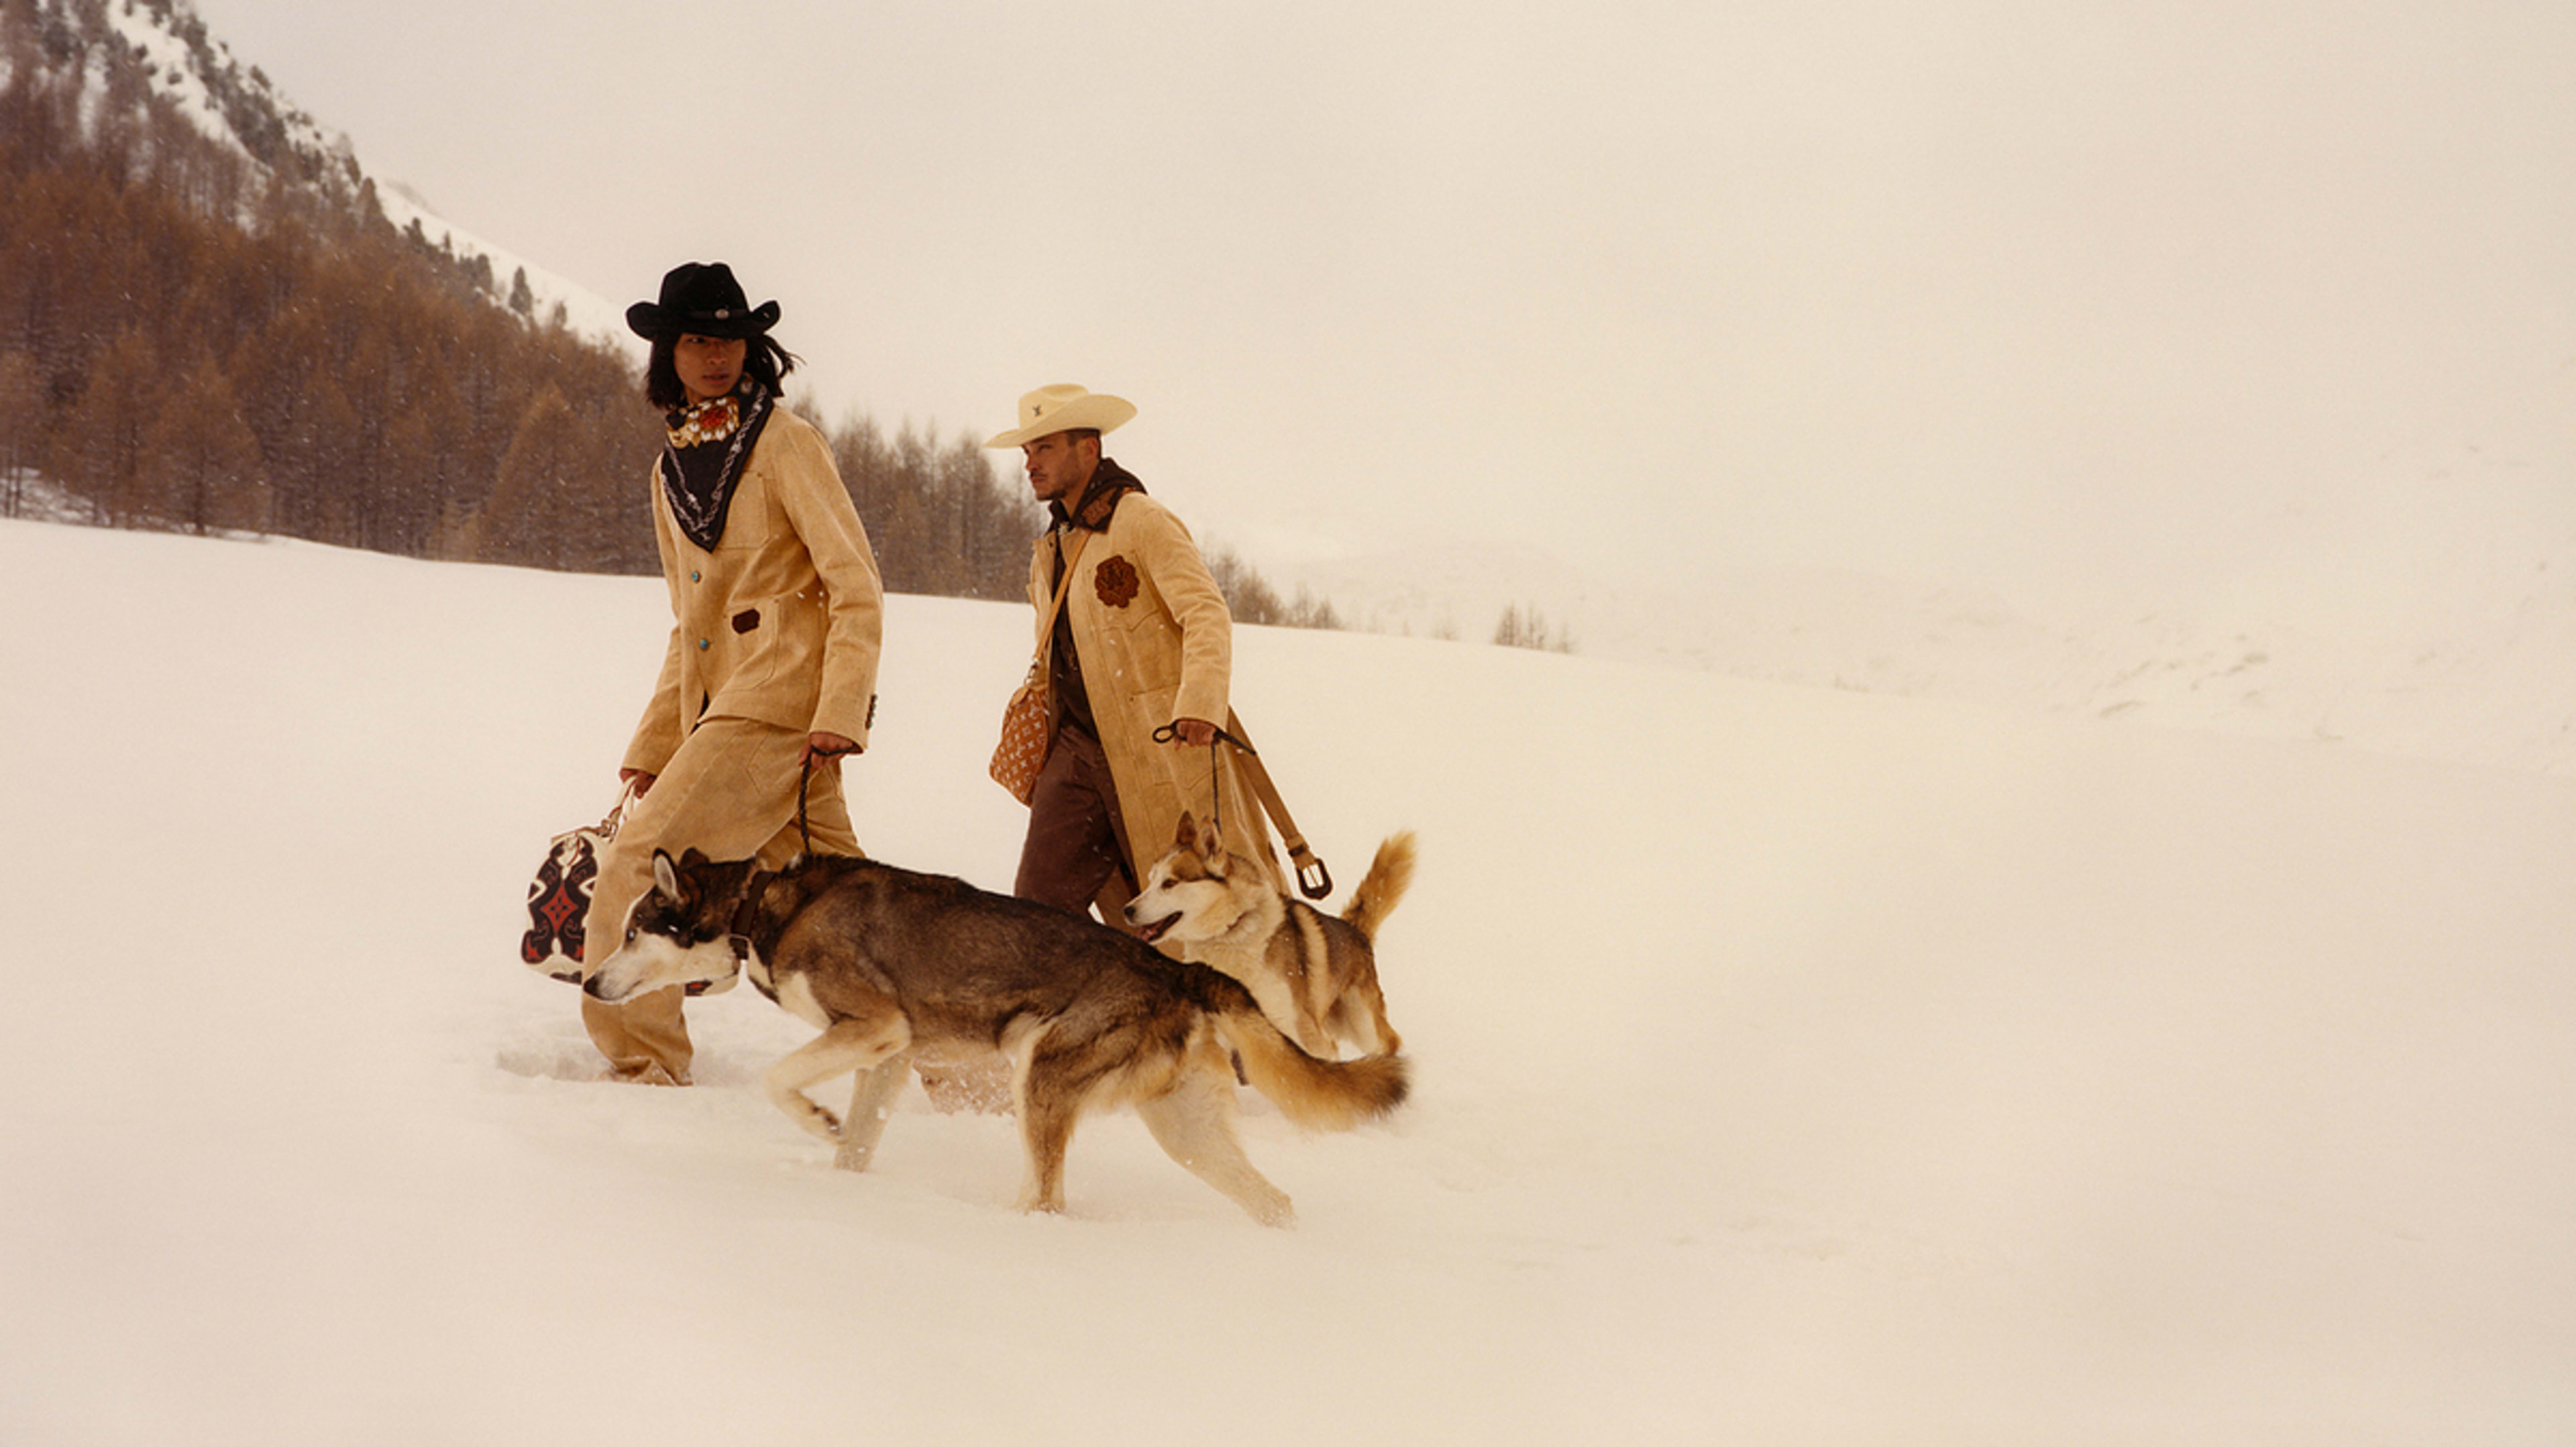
[
  {"x": 1156, "y": 645},
  {"x": 780, "y": 622}
]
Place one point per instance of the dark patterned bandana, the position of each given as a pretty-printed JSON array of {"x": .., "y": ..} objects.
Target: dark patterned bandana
[{"x": 703, "y": 458}]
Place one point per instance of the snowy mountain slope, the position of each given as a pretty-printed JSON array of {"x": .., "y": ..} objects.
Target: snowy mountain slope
[
  {"x": 168, "y": 46},
  {"x": 1795, "y": 1065},
  {"x": 584, "y": 311}
]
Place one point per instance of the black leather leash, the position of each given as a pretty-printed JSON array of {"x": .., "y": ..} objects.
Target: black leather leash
[{"x": 804, "y": 778}]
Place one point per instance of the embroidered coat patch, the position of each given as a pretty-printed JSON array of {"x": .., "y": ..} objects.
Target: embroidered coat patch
[{"x": 1116, "y": 582}]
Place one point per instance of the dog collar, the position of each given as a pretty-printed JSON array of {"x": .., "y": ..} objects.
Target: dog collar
[{"x": 745, "y": 915}]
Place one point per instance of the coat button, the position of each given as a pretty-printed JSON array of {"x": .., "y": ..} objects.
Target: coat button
[
  {"x": 693, "y": 575},
  {"x": 702, "y": 645}
]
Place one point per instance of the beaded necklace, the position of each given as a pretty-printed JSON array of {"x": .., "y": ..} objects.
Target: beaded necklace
[{"x": 691, "y": 424}]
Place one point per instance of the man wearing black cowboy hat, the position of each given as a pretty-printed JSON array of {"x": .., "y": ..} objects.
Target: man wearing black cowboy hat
[{"x": 770, "y": 674}]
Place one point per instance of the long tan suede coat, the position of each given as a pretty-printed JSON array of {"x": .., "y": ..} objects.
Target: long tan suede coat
[
  {"x": 780, "y": 621},
  {"x": 1156, "y": 645}
]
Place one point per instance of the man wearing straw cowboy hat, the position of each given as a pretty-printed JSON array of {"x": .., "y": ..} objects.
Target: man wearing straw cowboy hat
[{"x": 1136, "y": 658}]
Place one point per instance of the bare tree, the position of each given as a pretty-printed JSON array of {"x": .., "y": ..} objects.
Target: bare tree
[{"x": 1525, "y": 627}]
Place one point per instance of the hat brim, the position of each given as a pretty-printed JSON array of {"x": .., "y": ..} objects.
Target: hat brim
[
  {"x": 1097, "y": 412},
  {"x": 652, "y": 321}
]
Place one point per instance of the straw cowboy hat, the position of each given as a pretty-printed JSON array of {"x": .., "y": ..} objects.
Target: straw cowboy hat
[
  {"x": 1064, "y": 408},
  {"x": 703, "y": 301}
]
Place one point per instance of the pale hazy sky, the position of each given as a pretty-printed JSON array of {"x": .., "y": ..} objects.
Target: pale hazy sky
[{"x": 2028, "y": 295}]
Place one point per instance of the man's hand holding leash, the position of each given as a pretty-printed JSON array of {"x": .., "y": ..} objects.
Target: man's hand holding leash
[{"x": 823, "y": 747}]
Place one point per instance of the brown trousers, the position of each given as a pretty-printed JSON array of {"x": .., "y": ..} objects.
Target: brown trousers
[
  {"x": 1071, "y": 858},
  {"x": 731, "y": 792}
]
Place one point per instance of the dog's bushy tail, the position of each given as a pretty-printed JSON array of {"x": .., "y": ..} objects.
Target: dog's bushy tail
[
  {"x": 1316, "y": 1094},
  {"x": 1382, "y": 888}
]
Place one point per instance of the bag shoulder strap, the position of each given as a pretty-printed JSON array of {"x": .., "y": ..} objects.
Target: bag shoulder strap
[{"x": 1063, "y": 582}]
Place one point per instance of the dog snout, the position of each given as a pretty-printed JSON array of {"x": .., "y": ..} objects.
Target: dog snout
[{"x": 601, "y": 986}]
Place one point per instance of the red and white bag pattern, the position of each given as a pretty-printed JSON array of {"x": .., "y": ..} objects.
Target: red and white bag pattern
[{"x": 559, "y": 897}]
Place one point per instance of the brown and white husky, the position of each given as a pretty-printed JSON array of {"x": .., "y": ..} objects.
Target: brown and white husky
[{"x": 1315, "y": 975}]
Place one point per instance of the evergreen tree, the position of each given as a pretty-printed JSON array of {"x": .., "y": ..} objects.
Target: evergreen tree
[
  {"x": 310, "y": 459},
  {"x": 22, "y": 410},
  {"x": 526, "y": 520},
  {"x": 201, "y": 466},
  {"x": 97, "y": 450}
]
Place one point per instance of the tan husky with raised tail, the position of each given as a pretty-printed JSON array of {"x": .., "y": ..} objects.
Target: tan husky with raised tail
[{"x": 1315, "y": 974}]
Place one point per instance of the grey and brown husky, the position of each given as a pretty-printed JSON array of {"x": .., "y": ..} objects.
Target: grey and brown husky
[{"x": 896, "y": 967}]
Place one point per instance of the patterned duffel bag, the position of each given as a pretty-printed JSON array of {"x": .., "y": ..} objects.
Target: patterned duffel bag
[{"x": 559, "y": 897}]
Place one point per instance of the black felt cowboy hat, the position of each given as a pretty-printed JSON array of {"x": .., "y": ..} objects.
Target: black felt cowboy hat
[{"x": 701, "y": 299}]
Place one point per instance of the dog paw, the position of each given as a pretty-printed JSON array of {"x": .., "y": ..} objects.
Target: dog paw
[{"x": 810, "y": 1118}]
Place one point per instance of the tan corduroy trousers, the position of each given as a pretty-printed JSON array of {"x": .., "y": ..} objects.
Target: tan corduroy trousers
[{"x": 730, "y": 792}]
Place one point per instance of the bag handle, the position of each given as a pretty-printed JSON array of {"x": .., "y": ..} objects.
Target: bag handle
[{"x": 616, "y": 815}]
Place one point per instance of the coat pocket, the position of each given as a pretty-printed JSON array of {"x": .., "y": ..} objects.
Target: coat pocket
[
  {"x": 776, "y": 647},
  {"x": 753, "y": 519}
]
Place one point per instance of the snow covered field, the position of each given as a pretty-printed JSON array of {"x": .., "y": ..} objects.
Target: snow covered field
[{"x": 1794, "y": 1065}]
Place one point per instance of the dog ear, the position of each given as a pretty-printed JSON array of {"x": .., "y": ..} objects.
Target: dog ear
[
  {"x": 1212, "y": 844},
  {"x": 1187, "y": 836},
  {"x": 666, "y": 881}
]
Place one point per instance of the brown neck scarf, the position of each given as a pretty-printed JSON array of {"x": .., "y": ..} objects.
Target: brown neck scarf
[{"x": 1109, "y": 483}]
